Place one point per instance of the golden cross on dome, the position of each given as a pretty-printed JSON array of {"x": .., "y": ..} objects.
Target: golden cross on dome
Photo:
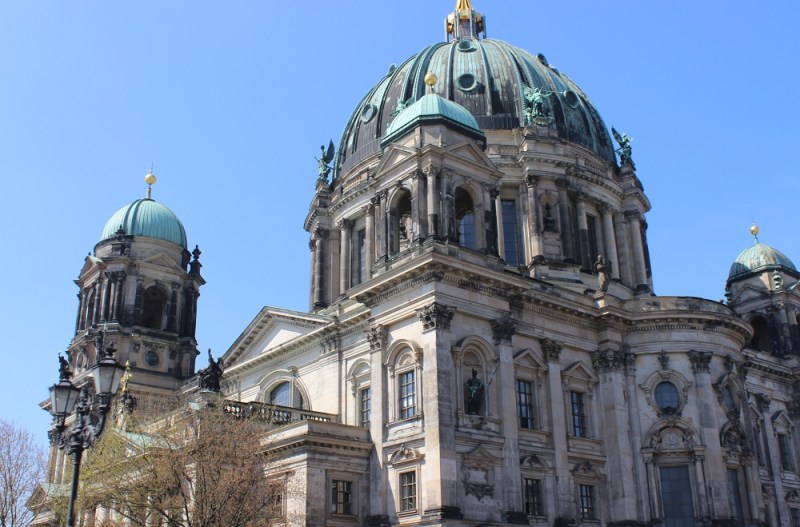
[{"x": 463, "y": 4}]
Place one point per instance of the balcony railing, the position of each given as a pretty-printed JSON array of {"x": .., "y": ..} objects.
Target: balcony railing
[{"x": 274, "y": 414}]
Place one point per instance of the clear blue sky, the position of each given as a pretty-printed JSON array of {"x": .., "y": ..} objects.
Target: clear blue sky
[{"x": 230, "y": 101}]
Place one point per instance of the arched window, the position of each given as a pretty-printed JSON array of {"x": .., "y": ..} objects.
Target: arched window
[
  {"x": 667, "y": 397},
  {"x": 153, "y": 302},
  {"x": 761, "y": 340},
  {"x": 465, "y": 219},
  {"x": 281, "y": 395},
  {"x": 402, "y": 228}
]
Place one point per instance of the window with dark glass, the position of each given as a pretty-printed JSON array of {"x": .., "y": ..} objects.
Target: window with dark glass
[
  {"x": 668, "y": 398},
  {"x": 341, "y": 497},
  {"x": 511, "y": 251},
  {"x": 594, "y": 248},
  {"x": 587, "y": 502},
  {"x": 153, "y": 302},
  {"x": 525, "y": 403},
  {"x": 785, "y": 450},
  {"x": 281, "y": 395},
  {"x": 408, "y": 404},
  {"x": 465, "y": 219},
  {"x": 408, "y": 491},
  {"x": 578, "y": 414},
  {"x": 365, "y": 403},
  {"x": 534, "y": 505}
]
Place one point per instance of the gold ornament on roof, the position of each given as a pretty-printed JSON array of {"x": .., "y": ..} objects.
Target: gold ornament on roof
[
  {"x": 150, "y": 179},
  {"x": 754, "y": 230},
  {"x": 431, "y": 80}
]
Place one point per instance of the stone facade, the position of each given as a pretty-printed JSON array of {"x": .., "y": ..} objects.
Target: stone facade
[{"x": 467, "y": 368}]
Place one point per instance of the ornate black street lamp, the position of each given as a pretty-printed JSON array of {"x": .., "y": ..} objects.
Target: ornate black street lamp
[{"x": 90, "y": 411}]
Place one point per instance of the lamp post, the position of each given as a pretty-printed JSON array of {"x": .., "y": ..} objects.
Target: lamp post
[{"x": 90, "y": 411}]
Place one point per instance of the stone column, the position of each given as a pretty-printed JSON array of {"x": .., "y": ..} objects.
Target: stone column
[
  {"x": 106, "y": 308},
  {"x": 369, "y": 235},
  {"x": 610, "y": 240},
  {"x": 440, "y": 471},
  {"x": 380, "y": 225},
  {"x": 319, "y": 268},
  {"x": 501, "y": 235},
  {"x": 433, "y": 202},
  {"x": 611, "y": 363},
  {"x": 345, "y": 228},
  {"x": 775, "y": 462},
  {"x": 703, "y": 507},
  {"x": 119, "y": 286},
  {"x": 534, "y": 230},
  {"x": 652, "y": 487},
  {"x": 583, "y": 231},
  {"x": 503, "y": 330},
  {"x": 97, "y": 300},
  {"x": 81, "y": 322},
  {"x": 417, "y": 203},
  {"x": 625, "y": 261},
  {"x": 567, "y": 242},
  {"x": 78, "y": 316},
  {"x": 449, "y": 227},
  {"x": 312, "y": 272},
  {"x": 565, "y": 494},
  {"x": 634, "y": 218},
  {"x": 377, "y": 337},
  {"x": 708, "y": 427}
]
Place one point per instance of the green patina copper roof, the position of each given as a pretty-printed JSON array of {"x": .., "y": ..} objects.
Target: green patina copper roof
[
  {"x": 433, "y": 108},
  {"x": 759, "y": 258},
  {"x": 146, "y": 217}
]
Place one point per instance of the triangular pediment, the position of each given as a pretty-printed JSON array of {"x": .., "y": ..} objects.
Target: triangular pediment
[
  {"x": 91, "y": 263},
  {"x": 270, "y": 329},
  {"x": 469, "y": 151},
  {"x": 396, "y": 157},
  {"x": 580, "y": 371},
  {"x": 527, "y": 359},
  {"x": 161, "y": 260}
]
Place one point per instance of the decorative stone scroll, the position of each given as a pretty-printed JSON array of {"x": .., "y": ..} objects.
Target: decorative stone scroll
[
  {"x": 700, "y": 361},
  {"x": 376, "y": 337},
  {"x": 503, "y": 329},
  {"x": 435, "y": 316},
  {"x": 551, "y": 349}
]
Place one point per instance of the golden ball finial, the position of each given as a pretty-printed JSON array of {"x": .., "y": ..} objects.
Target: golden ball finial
[
  {"x": 150, "y": 177},
  {"x": 754, "y": 230},
  {"x": 431, "y": 80}
]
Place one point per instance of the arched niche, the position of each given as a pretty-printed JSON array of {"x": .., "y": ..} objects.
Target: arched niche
[{"x": 154, "y": 303}]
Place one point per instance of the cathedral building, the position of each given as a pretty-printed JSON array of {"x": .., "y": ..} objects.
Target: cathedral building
[{"x": 483, "y": 345}]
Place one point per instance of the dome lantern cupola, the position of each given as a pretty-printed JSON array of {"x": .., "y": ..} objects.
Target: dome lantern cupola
[{"x": 464, "y": 23}]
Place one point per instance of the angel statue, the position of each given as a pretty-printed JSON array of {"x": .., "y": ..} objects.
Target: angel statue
[
  {"x": 624, "y": 149},
  {"x": 324, "y": 162},
  {"x": 535, "y": 110}
]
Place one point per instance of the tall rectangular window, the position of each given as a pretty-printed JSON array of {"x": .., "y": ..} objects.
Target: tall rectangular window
[
  {"x": 785, "y": 450},
  {"x": 525, "y": 403},
  {"x": 408, "y": 491},
  {"x": 578, "y": 414},
  {"x": 533, "y": 497},
  {"x": 510, "y": 232},
  {"x": 365, "y": 404},
  {"x": 408, "y": 395},
  {"x": 594, "y": 247},
  {"x": 341, "y": 497},
  {"x": 358, "y": 267},
  {"x": 587, "y": 502}
]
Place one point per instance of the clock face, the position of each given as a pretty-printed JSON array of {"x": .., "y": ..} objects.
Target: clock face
[{"x": 151, "y": 358}]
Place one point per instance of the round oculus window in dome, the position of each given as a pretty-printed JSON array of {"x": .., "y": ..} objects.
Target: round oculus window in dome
[
  {"x": 571, "y": 98},
  {"x": 466, "y": 46},
  {"x": 368, "y": 113},
  {"x": 542, "y": 59},
  {"x": 467, "y": 82}
]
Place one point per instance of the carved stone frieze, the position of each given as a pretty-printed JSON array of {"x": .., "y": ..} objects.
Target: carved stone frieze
[
  {"x": 700, "y": 361},
  {"x": 329, "y": 344},
  {"x": 612, "y": 360},
  {"x": 551, "y": 349},
  {"x": 376, "y": 337},
  {"x": 435, "y": 316},
  {"x": 503, "y": 329}
]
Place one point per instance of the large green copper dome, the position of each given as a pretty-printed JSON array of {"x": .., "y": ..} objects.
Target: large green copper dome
[
  {"x": 146, "y": 217},
  {"x": 493, "y": 80},
  {"x": 759, "y": 258}
]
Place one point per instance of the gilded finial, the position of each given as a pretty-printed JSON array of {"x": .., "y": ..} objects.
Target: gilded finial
[
  {"x": 463, "y": 4},
  {"x": 754, "y": 230},
  {"x": 150, "y": 179},
  {"x": 431, "y": 80}
]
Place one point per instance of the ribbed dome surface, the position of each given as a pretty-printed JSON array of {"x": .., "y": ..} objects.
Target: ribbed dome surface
[
  {"x": 431, "y": 107},
  {"x": 758, "y": 258},
  {"x": 146, "y": 217},
  {"x": 487, "y": 77}
]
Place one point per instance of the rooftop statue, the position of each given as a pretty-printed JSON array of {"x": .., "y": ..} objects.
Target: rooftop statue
[
  {"x": 324, "y": 162},
  {"x": 535, "y": 110},
  {"x": 210, "y": 376},
  {"x": 624, "y": 149}
]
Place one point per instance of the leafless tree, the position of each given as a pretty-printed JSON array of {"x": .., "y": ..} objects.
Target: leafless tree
[
  {"x": 22, "y": 467},
  {"x": 196, "y": 468}
]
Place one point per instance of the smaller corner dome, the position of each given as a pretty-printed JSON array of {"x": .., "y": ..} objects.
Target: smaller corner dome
[
  {"x": 759, "y": 258},
  {"x": 148, "y": 218},
  {"x": 433, "y": 108}
]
